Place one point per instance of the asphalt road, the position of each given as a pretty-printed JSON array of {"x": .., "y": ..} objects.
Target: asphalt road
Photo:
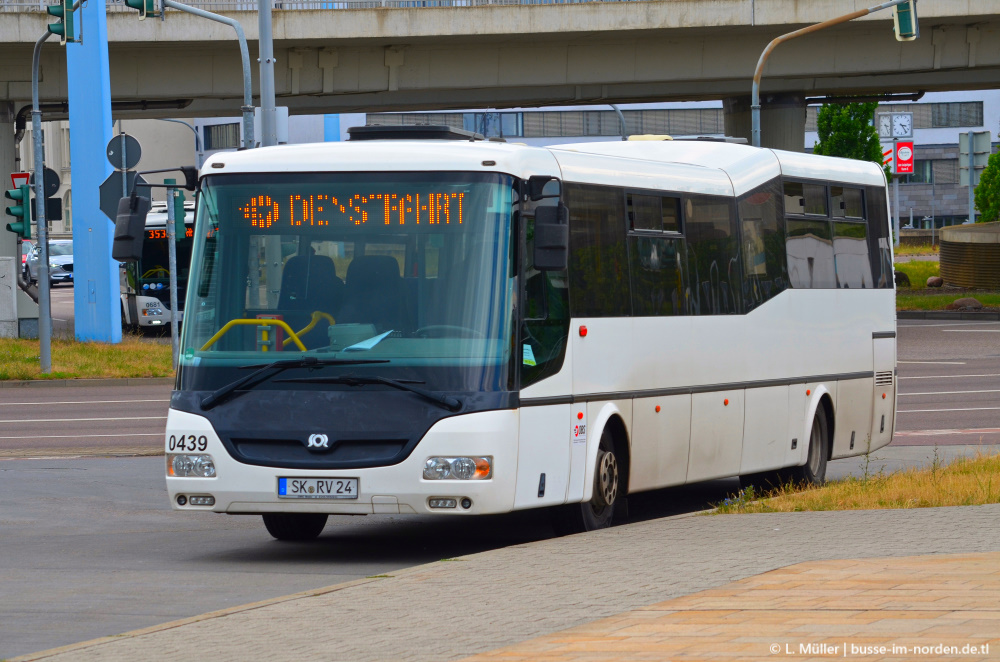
[
  {"x": 61, "y": 297},
  {"x": 89, "y": 546}
]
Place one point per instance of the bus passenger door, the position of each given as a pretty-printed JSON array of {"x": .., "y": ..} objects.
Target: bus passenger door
[{"x": 884, "y": 396}]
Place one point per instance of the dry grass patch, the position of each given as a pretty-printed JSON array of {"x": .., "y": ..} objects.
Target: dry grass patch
[
  {"x": 965, "y": 482},
  {"x": 75, "y": 360}
]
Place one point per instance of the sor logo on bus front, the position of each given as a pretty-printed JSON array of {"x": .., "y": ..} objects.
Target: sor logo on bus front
[{"x": 318, "y": 441}]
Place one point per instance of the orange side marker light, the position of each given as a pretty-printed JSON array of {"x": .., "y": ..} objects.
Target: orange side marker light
[{"x": 657, "y": 409}]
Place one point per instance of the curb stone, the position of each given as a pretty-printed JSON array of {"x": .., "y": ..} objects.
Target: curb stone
[
  {"x": 127, "y": 381},
  {"x": 946, "y": 315}
]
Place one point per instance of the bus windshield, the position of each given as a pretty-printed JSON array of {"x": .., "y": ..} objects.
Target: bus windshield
[{"x": 408, "y": 275}]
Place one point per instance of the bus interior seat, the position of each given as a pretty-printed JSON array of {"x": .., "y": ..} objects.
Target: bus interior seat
[
  {"x": 310, "y": 283},
  {"x": 375, "y": 294}
]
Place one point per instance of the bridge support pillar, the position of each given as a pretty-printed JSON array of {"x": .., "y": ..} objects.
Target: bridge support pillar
[
  {"x": 96, "y": 288},
  {"x": 782, "y": 120},
  {"x": 18, "y": 312}
]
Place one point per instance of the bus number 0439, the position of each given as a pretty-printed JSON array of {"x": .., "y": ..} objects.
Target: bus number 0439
[{"x": 187, "y": 443}]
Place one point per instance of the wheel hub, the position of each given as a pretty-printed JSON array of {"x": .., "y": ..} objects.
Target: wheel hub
[{"x": 606, "y": 487}]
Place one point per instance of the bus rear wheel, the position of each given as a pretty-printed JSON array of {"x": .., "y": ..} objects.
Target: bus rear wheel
[
  {"x": 295, "y": 526},
  {"x": 813, "y": 472},
  {"x": 600, "y": 510}
]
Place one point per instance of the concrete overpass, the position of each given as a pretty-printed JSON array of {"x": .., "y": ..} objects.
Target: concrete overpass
[{"x": 501, "y": 55}]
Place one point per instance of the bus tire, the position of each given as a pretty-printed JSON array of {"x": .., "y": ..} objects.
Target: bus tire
[
  {"x": 599, "y": 512},
  {"x": 295, "y": 526},
  {"x": 813, "y": 472}
]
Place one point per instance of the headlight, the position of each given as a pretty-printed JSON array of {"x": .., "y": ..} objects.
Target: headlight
[
  {"x": 151, "y": 312},
  {"x": 53, "y": 265},
  {"x": 458, "y": 468},
  {"x": 190, "y": 466}
]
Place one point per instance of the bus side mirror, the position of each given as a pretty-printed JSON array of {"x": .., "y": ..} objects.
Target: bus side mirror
[
  {"x": 551, "y": 238},
  {"x": 190, "y": 177},
  {"x": 543, "y": 186},
  {"x": 130, "y": 228}
]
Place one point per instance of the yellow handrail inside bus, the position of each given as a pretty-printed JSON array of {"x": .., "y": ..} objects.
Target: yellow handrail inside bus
[
  {"x": 316, "y": 317},
  {"x": 157, "y": 272},
  {"x": 255, "y": 322}
]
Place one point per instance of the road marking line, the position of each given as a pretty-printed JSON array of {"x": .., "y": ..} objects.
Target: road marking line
[
  {"x": 971, "y": 331},
  {"x": 934, "y": 362},
  {"x": 88, "y": 436},
  {"x": 948, "y": 376},
  {"x": 67, "y": 420},
  {"x": 927, "y": 433},
  {"x": 927, "y": 326},
  {"x": 81, "y": 402},
  {"x": 918, "y": 411},
  {"x": 991, "y": 390}
]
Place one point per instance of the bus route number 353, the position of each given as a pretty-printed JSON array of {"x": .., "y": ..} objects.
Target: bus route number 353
[{"x": 187, "y": 442}]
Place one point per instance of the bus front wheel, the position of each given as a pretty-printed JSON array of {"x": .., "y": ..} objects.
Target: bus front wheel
[
  {"x": 600, "y": 510},
  {"x": 294, "y": 526}
]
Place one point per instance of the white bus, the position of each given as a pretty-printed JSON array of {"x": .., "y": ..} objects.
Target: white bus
[
  {"x": 460, "y": 327},
  {"x": 145, "y": 283}
]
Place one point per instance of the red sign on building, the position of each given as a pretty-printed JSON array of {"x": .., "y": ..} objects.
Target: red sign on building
[{"x": 904, "y": 158}]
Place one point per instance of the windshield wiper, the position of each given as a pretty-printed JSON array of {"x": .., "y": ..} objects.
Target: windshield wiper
[
  {"x": 446, "y": 401},
  {"x": 267, "y": 370}
]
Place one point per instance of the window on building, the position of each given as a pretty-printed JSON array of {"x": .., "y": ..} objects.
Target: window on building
[
  {"x": 956, "y": 114},
  {"x": 221, "y": 136},
  {"x": 923, "y": 173}
]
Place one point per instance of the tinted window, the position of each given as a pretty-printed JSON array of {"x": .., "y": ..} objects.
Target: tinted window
[
  {"x": 713, "y": 256},
  {"x": 878, "y": 237},
  {"x": 644, "y": 212},
  {"x": 810, "y": 254},
  {"x": 802, "y": 198},
  {"x": 546, "y": 313},
  {"x": 598, "y": 263},
  {"x": 657, "y": 283},
  {"x": 764, "y": 272},
  {"x": 850, "y": 252},
  {"x": 846, "y": 202}
]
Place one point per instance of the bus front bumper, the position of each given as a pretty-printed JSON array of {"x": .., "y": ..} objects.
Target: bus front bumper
[{"x": 239, "y": 488}]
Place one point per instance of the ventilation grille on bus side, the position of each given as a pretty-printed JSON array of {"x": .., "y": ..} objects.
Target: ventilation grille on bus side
[{"x": 883, "y": 378}]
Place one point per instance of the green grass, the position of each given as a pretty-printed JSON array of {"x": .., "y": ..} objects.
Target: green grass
[
  {"x": 918, "y": 271},
  {"x": 965, "y": 482},
  {"x": 75, "y": 360},
  {"x": 939, "y": 301},
  {"x": 923, "y": 249}
]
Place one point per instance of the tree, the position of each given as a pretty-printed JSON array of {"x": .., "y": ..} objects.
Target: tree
[
  {"x": 848, "y": 130},
  {"x": 988, "y": 191}
]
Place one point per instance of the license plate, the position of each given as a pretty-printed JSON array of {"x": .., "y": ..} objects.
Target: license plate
[{"x": 318, "y": 488}]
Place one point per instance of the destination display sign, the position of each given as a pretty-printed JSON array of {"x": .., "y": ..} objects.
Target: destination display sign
[
  {"x": 160, "y": 233},
  {"x": 296, "y": 210}
]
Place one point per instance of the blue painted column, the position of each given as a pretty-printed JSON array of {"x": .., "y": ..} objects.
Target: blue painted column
[
  {"x": 331, "y": 128},
  {"x": 96, "y": 293}
]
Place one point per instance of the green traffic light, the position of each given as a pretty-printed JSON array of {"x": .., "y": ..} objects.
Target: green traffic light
[
  {"x": 64, "y": 28},
  {"x": 905, "y": 21},
  {"x": 145, "y": 7},
  {"x": 22, "y": 211}
]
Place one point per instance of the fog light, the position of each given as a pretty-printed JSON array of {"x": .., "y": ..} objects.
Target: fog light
[
  {"x": 203, "y": 501},
  {"x": 190, "y": 466},
  {"x": 458, "y": 468},
  {"x": 466, "y": 503},
  {"x": 181, "y": 500},
  {"x": 442, "y": 503}
]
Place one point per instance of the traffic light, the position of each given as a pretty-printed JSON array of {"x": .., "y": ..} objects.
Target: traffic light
[
  {"x": 904, "y": 21},
  {"x": 147, "y": 8},
  {"x": 179, "y": 213},
  {"x": 64, "y": 28},
  {"x": 20, "y": 211}
]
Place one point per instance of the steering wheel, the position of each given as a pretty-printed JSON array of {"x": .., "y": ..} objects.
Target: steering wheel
[{"x": 447, "y": 331}]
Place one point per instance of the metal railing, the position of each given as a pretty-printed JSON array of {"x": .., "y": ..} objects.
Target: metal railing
[{"x": 114, "y": 6}]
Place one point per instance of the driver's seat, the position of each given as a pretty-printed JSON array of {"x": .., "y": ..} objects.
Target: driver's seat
[{"x": 375, "y": 294}]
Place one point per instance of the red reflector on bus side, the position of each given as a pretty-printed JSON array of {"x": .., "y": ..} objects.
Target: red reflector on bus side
[
  {"x": 579, "y": 415},
  {"x": 657, "y": 409},
  {"x": 808, "y": 391},
  {"x": 726, "y": 402},
  {"x": 883, "y": 396},
  {"x": 583, "y": 332}
]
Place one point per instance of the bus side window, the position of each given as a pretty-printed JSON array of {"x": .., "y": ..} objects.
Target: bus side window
[
  {"x": 546, "y": 317},
  {"x": 713, "y": 252},
  {"x": 598, "y": 258},
  {"x": 764, "y": 266}
]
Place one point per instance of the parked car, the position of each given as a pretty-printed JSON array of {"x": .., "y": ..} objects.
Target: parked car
[
  {"x": 60, "y": 262},
  {"x": 26, "y": 247}
]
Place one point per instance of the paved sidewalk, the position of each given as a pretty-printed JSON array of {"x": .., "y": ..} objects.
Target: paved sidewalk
[
  {"x": 460, "y": 607},
  {"x": 930, "y": 607}
]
